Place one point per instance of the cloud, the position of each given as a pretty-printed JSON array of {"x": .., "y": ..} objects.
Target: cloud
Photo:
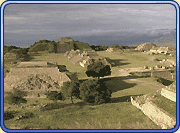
[
  {"x": 14, "y": 18},
  {"x": 112, "y": 21}
]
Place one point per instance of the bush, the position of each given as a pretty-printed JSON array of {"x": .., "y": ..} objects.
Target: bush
[
  {"x": 51, "y": 106},
  {"x": 16, "y": 97},
  {"x": 25, "y": 115},
  {"x": 28, "y": 115},
  {"x": 93, "y": 91},
  {"x": 54, "y": 95},
  {"x": 8, "y": 115},
  {"x": 70, "y": 89}
]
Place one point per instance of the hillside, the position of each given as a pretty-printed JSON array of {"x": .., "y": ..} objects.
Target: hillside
[
  {"x": 61, "y": 45},
  {"x": 67, "y": 43},
  {"x": 43, "y": 45},
  {"x": 9, "y": 48}
]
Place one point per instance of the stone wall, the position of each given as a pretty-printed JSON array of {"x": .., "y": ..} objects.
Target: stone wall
[
  {"x": 168, "y": 94},
  {"x": 38, "y": 63},
  {"x": 109, "y": 50},
  {"x": 17, "y": 76},
  {"x": 156, "y": 114}
]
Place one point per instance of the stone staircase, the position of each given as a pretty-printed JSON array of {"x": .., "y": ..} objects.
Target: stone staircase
[{"x": 158, "y": 115}]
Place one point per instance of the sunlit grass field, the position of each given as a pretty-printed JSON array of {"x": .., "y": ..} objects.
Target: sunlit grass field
[{"x": 119, "y": 114}]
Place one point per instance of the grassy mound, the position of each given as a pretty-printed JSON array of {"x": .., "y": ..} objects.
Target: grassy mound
[
  {"x": 9, "y": 48},
  {"x": 67, "y": 44},
  {"x": 44, "y": 45}
]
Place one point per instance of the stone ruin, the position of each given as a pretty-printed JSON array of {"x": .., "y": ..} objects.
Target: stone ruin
[
  {"x": 169, "y": 62},
  {"x": 158, "y": 50},
  {"x": 32, "y": 63},
  {"x": 19, "y": 76},
  {"x": 76, "y": 56},
  {"x": 110, "y": 50},
  {"x": 83, "y": 59},
  {"x": 89, "y": 60},
  {"x": 144, "y": 47},
  {"x": 156, "y": 114}
]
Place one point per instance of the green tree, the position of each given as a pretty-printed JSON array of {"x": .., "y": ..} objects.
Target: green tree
[
  {"x": 98, "y": 69},
  {"x": 54, "y": 95},
  {"x": 93, "y": 91},
  {"x": 70, "y": 89},
  {"x": 16, "y": 97}
]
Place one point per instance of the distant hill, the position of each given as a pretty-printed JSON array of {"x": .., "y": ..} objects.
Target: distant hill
[
  {"x": 167, "y": 42},
  {"x": 9, "y": 48},
  {"x": 167, "y": 38},
  {"x": 16, "y": 53}
]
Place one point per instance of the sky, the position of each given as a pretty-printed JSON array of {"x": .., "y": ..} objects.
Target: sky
[{"x": 104, "y": 24}]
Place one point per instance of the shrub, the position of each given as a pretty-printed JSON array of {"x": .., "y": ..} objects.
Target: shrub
[
  {"x": 16, "y": 97},
  {"x": 25, "y": 115},
  {"x": 28, "y": 115},
  {"x": 51, "y": 106},
  {"x": 54, "y": 95},
  {"x": 93, "y": 91},
  {"x": 70, "y": 89},
  {"x": 8, "y": 115}
]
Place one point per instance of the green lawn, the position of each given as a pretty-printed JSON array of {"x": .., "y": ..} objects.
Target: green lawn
[
  {"x": 120, "y": 115},
  {"x": 134, "y": 59}
]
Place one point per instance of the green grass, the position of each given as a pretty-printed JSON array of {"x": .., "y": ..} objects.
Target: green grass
[
  {"x": 119, "y": 114},
  {"x": 165, "y": 104},
  {"x": 135, "y": 59},
  {"x": 106, "y": 116}
]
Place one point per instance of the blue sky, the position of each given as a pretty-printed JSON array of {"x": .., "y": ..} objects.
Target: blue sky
[{"x": 105, "y": 24}]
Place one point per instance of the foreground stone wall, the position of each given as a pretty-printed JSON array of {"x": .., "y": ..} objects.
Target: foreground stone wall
[
  {"x": 168, "y": 94},
  {"x": 155, "y": 114}
]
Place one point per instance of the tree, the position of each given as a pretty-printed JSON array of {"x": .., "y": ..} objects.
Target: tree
[
  {"x": 54, "y": 95},
  {"x": 93, "y": 91},
  {"x": 70, "y": 89},
  {"x": 16, "y": 97},
  {"x": 98, "y": 69}
]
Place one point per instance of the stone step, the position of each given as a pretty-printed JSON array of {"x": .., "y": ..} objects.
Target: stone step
[
  {"x": 168, "y": 94},
  {"x": 156, "y": 114}
]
